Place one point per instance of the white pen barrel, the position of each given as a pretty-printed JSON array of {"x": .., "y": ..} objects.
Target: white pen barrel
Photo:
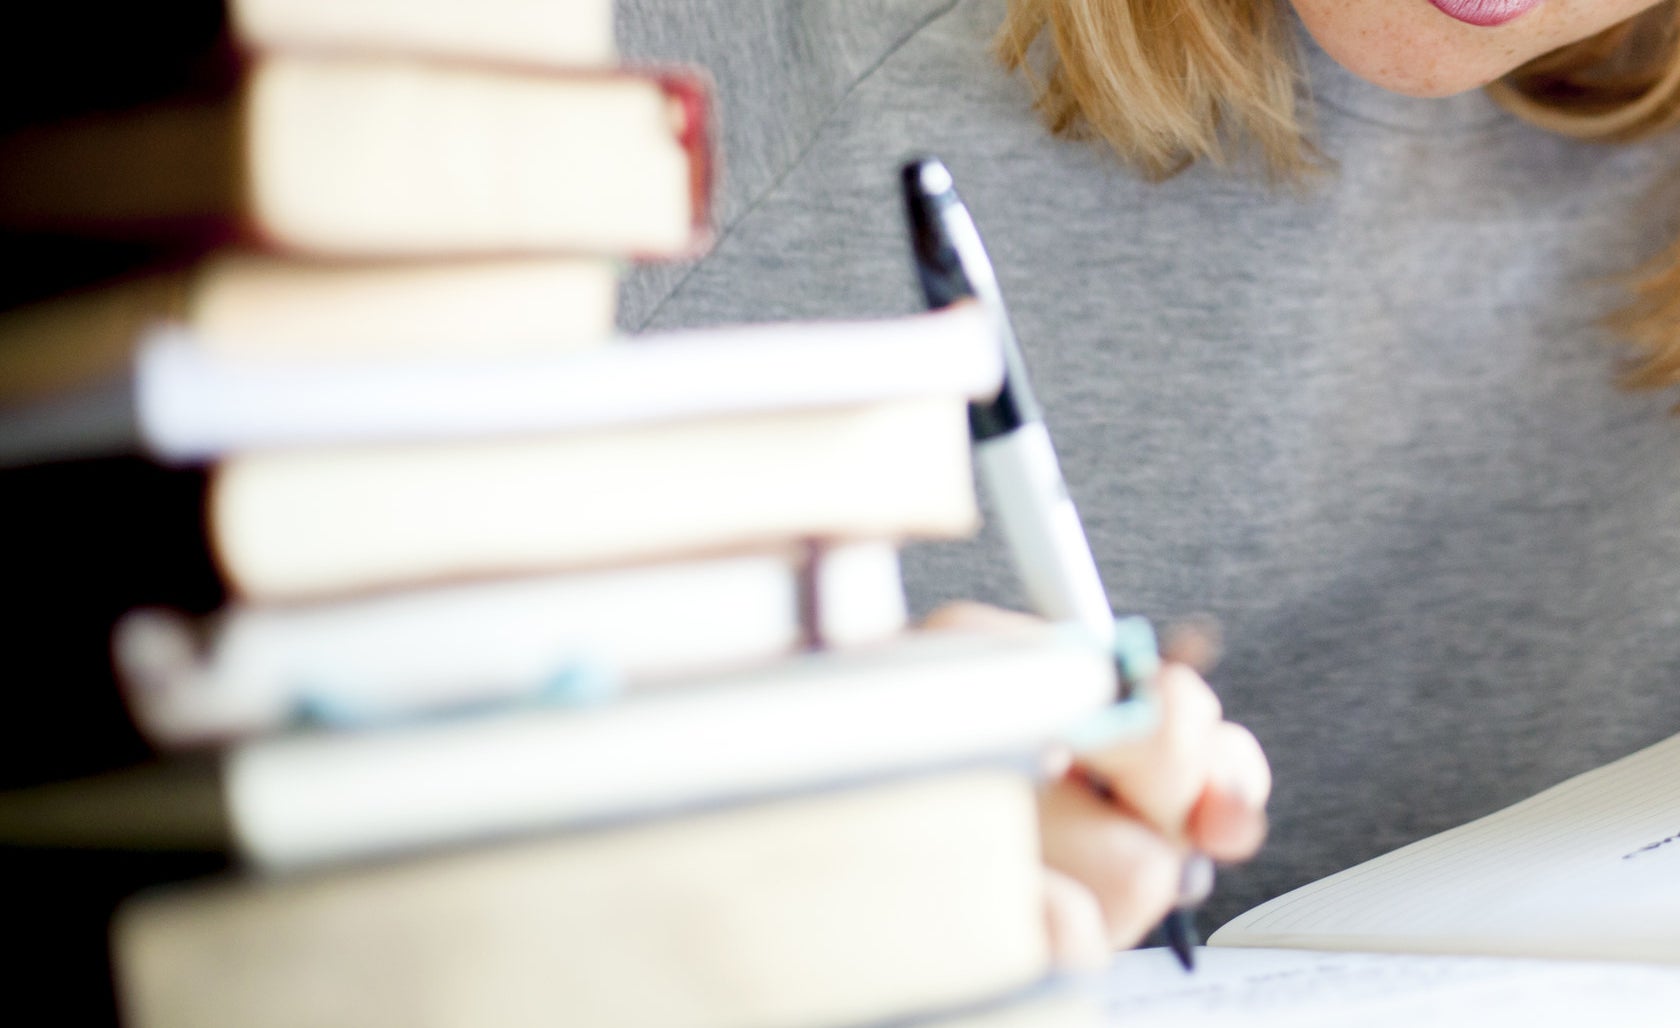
[{"x": 1043, "y": 529}]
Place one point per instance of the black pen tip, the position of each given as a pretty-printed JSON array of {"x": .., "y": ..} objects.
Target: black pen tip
[{"x": 1180, "y": 930}]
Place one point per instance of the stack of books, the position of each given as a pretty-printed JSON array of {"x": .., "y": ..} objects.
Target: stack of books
[
  {"x": 352, "y": 180},
  {"x": 654, "y": 751},
  {"x": 563, "y": 677}
]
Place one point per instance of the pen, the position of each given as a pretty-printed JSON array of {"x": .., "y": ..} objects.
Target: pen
[{"x": 1017, "y": 462}]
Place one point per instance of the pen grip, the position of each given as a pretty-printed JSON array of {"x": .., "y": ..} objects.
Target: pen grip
[{"x": 1037, "y": 516}]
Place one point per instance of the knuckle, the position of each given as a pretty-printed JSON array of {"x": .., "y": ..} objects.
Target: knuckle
[{"x": 1187, "y": 696}]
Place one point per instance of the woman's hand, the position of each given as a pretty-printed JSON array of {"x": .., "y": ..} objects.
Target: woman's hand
[{"x": 1197, "y": 783}]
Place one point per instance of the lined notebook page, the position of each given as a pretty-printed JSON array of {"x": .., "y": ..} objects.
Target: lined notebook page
[
  {"x": 1265, "y": 988},
  {"x": 1588, "y": 868}
]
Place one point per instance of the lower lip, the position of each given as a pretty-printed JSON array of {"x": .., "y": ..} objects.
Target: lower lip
[{"x": 1485, "y": 13}]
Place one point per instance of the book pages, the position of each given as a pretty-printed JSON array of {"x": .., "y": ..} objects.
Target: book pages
[
  {"x": 1588, "y": 868},
  {"x": 1266, "y": 988}
]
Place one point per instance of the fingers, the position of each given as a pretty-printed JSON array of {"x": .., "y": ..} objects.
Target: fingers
[
  {"x": 1228, "y": 821},
  {"x": 1131, "y": 872},
  {"x": 1162, "y": 776},
  {"x": 1199, "y": 780},
  {"x": 1225, "y": 829},
  {"x": 1074, "y": 923},
  {"x": 1198, "y": 783}
]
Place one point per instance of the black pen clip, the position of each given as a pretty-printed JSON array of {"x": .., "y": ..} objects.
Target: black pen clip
[{"x": 952, "y": 265}]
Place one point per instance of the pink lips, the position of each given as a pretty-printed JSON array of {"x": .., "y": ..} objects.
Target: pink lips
[{"x": 1485, "y": 13}]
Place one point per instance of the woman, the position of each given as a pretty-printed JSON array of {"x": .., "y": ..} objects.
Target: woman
[{"x": 1320, "y": 329}]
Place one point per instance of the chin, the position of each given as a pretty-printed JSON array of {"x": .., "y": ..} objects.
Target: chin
[
  {"x": 1428, "y": 88},
  {"x": 1400, "y": 71}
]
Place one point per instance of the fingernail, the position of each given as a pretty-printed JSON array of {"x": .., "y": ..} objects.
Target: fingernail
[
  {"x": 1196, "y": 880},
  {"x": 1245, "y": 789},
  {"x": 1195, "y": 640}
]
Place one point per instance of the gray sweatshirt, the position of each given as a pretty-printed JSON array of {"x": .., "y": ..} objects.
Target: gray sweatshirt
[{"x": 1371, "y": 427}]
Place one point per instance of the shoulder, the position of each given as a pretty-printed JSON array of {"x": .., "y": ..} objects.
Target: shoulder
[
  {"x": 781, "y": 69},
  {"x": 817, "y": 104}
]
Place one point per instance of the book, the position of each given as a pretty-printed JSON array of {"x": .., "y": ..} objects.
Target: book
[
  {"x": 576, "y": 638},
  {"x": 845, "y": 908},
  {"x": 1587, "y": 869},
  {"x": 371, "y": 157},
  {"x": 194, "y": 403},
  {"x": 266, "y": 310},
  {"x": 103, "y": 54},
  {"x": 564, "y": 33},
  {"x": 1283, "y": 988},
  {"x": 297, "y": 524},
  {"x": 306, "y": 798}
]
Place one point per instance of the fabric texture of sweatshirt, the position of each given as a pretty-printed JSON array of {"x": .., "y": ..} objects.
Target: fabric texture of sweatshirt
[{"x": 1371, "y": 426}]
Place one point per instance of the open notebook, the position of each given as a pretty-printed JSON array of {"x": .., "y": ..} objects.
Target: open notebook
[
  {"x": 1278, "y": 988},
  {"x": 1562, "y": 910},
  {"x": 1589, "y": 868}
]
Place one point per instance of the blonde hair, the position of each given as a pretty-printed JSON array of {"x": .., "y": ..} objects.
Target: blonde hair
[{"x": 1166, "y": 83}]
